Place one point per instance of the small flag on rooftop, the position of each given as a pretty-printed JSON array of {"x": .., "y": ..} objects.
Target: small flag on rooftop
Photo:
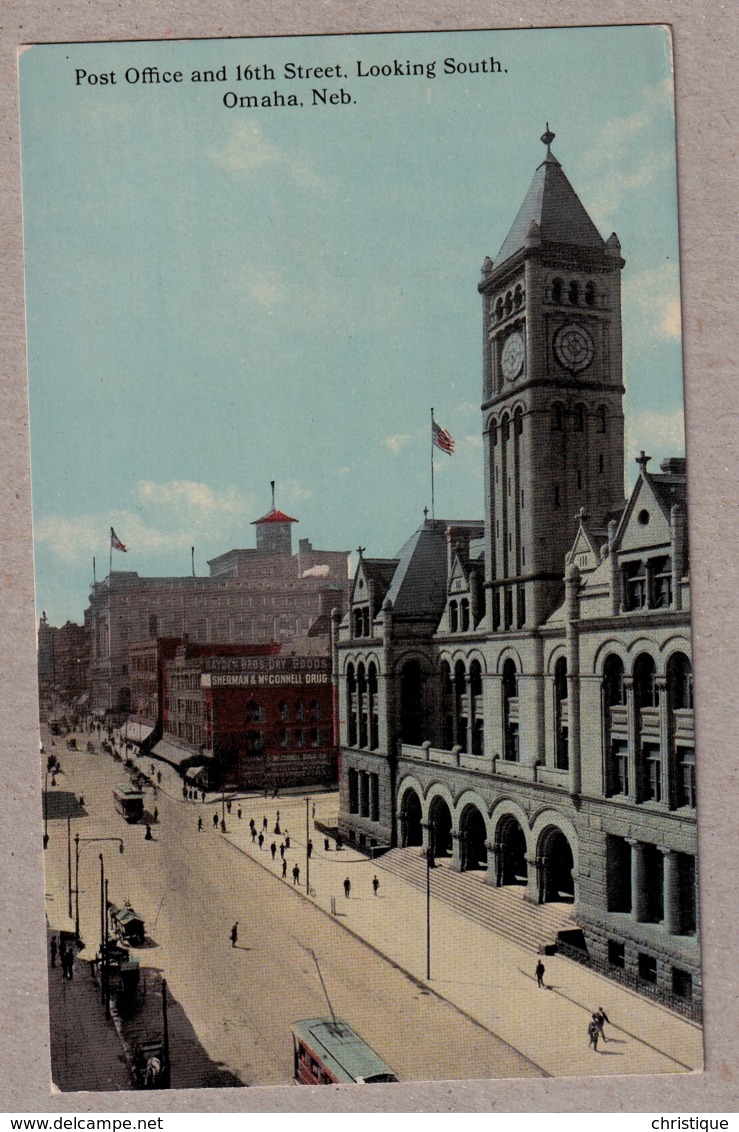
[
  {"x": 115, "y": 542},
  {"x": 442, "y": 438}
]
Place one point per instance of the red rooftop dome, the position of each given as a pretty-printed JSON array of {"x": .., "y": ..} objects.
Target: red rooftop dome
[{"x": 274, "y": 516}]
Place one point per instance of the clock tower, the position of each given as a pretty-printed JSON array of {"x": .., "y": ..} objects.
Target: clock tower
[{"x": 553, "y": 424}]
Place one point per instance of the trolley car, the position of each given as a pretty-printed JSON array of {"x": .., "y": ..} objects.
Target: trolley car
[{"x": 327, "y": 1051}]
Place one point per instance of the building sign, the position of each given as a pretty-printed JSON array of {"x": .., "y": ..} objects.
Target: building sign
[{"x": 264, "y": 671}]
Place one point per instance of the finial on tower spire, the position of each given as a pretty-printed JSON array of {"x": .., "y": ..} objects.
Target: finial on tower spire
[
  {"x": 272, "y": 485},
  {"x": 548, "y": 136}
]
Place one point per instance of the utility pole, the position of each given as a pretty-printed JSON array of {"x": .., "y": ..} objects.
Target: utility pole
[
  {"x": 165, "y": 1032},
  {"x": 69, "y": 868},
  {"x": 307, "y": 853}
]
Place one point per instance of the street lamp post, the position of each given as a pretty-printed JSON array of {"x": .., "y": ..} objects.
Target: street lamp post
[
  {"x": 46, "y": 810},
  {"x": 307, "y": 852},
  {"x": 69, "y": 868},
  {"x": 77, "y": 851}
]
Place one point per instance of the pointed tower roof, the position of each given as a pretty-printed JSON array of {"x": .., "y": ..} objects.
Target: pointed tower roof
[
  {"x": 274, "y": 516},
  {"x": 553, "y": 205}
]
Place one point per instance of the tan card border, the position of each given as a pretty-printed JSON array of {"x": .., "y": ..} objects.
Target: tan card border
[{"x": 705, "y": 40}]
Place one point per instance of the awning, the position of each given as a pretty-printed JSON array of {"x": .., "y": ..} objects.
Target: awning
[
  {"x": 136, "y": 732},
  {"x": 174, "y": 755},
  {"x": 194, "y": 772}
]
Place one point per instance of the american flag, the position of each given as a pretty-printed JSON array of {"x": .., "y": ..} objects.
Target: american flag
[
  {"x": 116, "y": 543},
  {"x": 442, "y": 439}
]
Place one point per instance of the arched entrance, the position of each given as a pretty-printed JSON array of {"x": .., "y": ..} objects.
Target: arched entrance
[
  {"x": 410, "y": 820},
  {"x": 556, "y": 867},
  {"x": 440, "y": 821},
  {"x": 510, "y": 852},
  {"x": 473, "y": 835}
]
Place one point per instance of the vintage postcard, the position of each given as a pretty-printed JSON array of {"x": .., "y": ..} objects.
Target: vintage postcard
[{"x": 362, "y": 564}]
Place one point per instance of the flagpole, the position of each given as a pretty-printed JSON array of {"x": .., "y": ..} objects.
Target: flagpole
[
  {"x": 433, "y": 511},
  {"x": 110, "y": 555}
]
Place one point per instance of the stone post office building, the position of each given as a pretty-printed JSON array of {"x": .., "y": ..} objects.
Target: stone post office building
[{"x": 515, "y": 693}]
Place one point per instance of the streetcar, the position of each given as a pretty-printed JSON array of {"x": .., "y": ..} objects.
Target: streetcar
[
  {"x": 327, "y": 1051},
  {"x": 129, "y": 801}
]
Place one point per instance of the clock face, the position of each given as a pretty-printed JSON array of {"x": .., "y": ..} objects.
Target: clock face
[
  {"x": 573, "y": 347},
  {"x": 511, "y": 360}
]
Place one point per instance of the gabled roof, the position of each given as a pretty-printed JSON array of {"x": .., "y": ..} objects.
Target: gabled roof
[
  {"x": 274, "y": 516},
  {"x": 378, "y": 571},
  {"x": 553, "y": 205}
]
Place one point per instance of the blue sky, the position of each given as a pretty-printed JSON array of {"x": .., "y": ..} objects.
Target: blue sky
[{"x": 221, "y": 297}]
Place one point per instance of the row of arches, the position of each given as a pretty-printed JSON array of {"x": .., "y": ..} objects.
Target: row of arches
[
  {"x": 648, "y": 687},
  {"x": 578, "y": 414},
  {"x": 508, "y": 843}
]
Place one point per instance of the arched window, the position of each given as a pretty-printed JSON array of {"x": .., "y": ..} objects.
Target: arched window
[
  {"x": 362, "y": 705},
  {"x": 461, "y": 703},
  {"x": 493, "y": 434},
  {"x": 579, "y": 416},
  {"x": 561, "y": 720},
  {"x": 464, "y": 614},
  {"x": 358, "y": 622},
  {"x": 476, "y": 709},
  {"x": 645, "y": 682},
  {"x": 518, "y": 422},
  {"x": 374, "y": 733},
  {"x": 517, "y": 296},
  {"x": 453, "y": 617},
  {"x": 508, "y": 303},
  {"x": 505, "y": 429},
  {"x": 351, "y": 706},
  {"x": 510, "y": 711},
  {"x": 614, "y": 690},
  {"x": 573, "y": 293},
  {"x": 411, "y": 703},
  {"x": 499, "y": 309},
  {"x": 447, "y": 708},
  {"x": 680, "y": 682},
  {"x": 590, "y": 294},
  {"x": 557, "y": 290}
]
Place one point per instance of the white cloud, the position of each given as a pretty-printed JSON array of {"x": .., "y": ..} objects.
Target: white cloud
[
  {"x": 163, "y": 517},
  {"x": 248, "y": 151},
  {"x": 474, "y": 441},
  {"x": 653, "y": 301},
  {"x": 397, "y": 443},
  {"x": 662, "y": 430},
  {"x": 294, "y": 491},
  {"x": 344, "y": 470}
]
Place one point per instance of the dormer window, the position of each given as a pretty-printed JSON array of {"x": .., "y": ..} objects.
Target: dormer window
[
  {"x": 453, "y": 617},
  {"x": 464, "y": 614},
  {"x": 635, "y": 578},
  {"x": 661, "y": 570}
]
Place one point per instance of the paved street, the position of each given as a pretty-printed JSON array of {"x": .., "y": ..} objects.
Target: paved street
[{"x": 232, "y": 1007}]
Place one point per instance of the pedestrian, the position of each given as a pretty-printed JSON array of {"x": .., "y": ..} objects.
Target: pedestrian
[
  {"x": 540, "y": 974},
  {"x": 70, "y": 964},
  {"x": 234, "y": 933},
  {"x": 202, "y": 794},
  {"x": 339, "y": 842},
  {"x": 159, "y": 777},
  {"x": 215, "y": 819},
  {"x": 153, "y": 768},
  {"x": 53, "y": 950},
  {"x": 228, "y": 805},
  {"x": 264, "y": 822},
  {"x": 326, "y": 845},
  {"x": 251, "y": 824},
  {"x": 156, "y": 814},
  {"x": 314, "y": 811},
  {"x": 287, "y": 840},
  {"x": 601, "y": 1018},
  {"x": 147, "y": 835},
  {"x": 200, "y": 825},
  {"x": 282, "y": 850},
  {"x": 284, "y": 868},
  {"x": 593, "y": 1032},
  {"x": 375, "y": 884},
  {"x": 309, "y": 848},
  {"x": 347, "y": 887},
  {"x": 260, "y": 839},
  {"x": 273, "y": 850},
  {"x": 253, "y": 835},
  {"x": 296, "y": 874},
  {"x": 184, "y": 791},
  {"x": 238, "y": 813}
]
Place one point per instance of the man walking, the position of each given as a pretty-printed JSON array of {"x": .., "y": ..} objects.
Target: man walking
[
  {"x": 284, "y": 868},
  {"x": 296, "y": 874},
  {"x": 593, "y": 1033},
  {"x": 200, "y": 825},
  {"x": 601, "y": 1018},
  {"x": 234, "y": 933},
  {"x": 273, "y": 850},
  {"x": 347, "y": 887},
  {"x": 260, "y": 839},
  {"x": 52, "y": 950},
  {"x": 215, "y": 819},
  {"x": 375, "y": 884},
  {"x": 309, "y": 849},
  {"x": 540, "y": 974}
]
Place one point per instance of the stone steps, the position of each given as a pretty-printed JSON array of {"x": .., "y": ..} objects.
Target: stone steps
[{"x": 502, "y": 910}]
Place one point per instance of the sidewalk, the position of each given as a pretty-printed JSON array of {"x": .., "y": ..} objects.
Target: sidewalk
[
  {"x": 86, "y": 1052},
  {"x": 487, "y": 977}
]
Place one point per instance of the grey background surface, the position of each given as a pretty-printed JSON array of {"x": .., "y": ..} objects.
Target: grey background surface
[{"x": 705, "y": 43}]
